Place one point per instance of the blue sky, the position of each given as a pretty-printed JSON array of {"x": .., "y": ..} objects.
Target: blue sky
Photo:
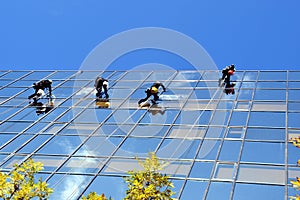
[{"x": 55, "y": 34}]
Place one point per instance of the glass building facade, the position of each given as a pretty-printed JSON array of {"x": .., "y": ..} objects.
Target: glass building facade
[{"x": 218, "y": 146}]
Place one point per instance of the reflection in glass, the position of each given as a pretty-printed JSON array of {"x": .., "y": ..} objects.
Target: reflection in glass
[
  {"x": 261, "y": 174},
  {"x": 257, "y": 191},
  {"x": 270, "y": 95},
  {"x": 265, "y": 134},
  {"x": 114, "y": 187},
  {"x": 219, "y": 190},
  {"x": 68, "y": 186},
  {"x": 138, "y": 146},
  {"x": 201, "y": 170},
  {"x": 281, "y": 85},
  {"x": 294, "y": 95},
  {"x": 272, "y": 75},
  {"x": 238, "y": 118},
  {"x": 230, "y": 151},
  {"x": 209, "y": 150},
  {"x": 82, "y": 165},
  {"x": 263, "y": 152},
  {"x": 270, "y": 119},
  {"x": 61, "y": 145},
  {"x": 194, "y": 190}
]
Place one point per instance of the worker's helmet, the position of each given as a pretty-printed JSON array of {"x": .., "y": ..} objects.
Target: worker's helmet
[
  {"x": 230, "y": 72},
  {"x": 50, "y": 81},
  {"x": 154, "y": 90}
]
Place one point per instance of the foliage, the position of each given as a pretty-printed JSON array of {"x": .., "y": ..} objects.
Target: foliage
[
  {"x": 295, "y": 142},
  {"x": 19, "y": 183},
  {"x": 296, "y": 183},
  {"x": 95, "y": 196},
  {"x": 149, "y": 183}
]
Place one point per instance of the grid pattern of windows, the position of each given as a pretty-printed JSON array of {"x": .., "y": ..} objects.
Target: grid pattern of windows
[{"x": 218, "y": 146}]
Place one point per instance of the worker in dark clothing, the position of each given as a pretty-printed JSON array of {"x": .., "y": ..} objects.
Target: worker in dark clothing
[
  {"x": 43, "y": 108},
  {"x": 40, "y": 89},
  {"x": 229, "y": 88},
  {"x": 99, "y": 84},
  {"x": 153, "y": 90},
  {"x": 226, "y": 73}
]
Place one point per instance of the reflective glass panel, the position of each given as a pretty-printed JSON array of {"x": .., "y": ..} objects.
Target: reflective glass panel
[
  {"x": 256, "y": 191},
  {"x": 294, "y": 95},
  {"x": 194, "y": 190},
  {"x": 202, "y": 170},
  {"x": 265, "y": 134},
  {"x": 61, "y": 145},
  {"x": 68, "y": 186},
  {"x": 230, "y": 151},
  {"x": 270, "y": 95},
  {"x": 219, "y": 190},
  {"x": 263, "y": 152},
  {"x": 209, "y": 150},
  {"x": 271, "y": 119},
  {"x": 272, "y": 75}
]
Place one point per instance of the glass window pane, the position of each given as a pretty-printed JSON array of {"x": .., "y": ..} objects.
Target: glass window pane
[
  {"x": 270, "y": 95},
  {"x": 261, "y": 174},
  {"x": 14, "y": 126},
  {"x": 230, "y": 151},
  {"x": 294, "y": 106},
  {"x": 82, "y": 165},
  {"x": 37, "y": 75},
  {"x": 114, "y": 187},
  {"x": 294, "y": 95},
  {"x": 245, "y": 94},
  {"x": 188, "y": 75},
  {"x": 238, "y": 118},
  {"x": 16, "y": 143},
  {"x": 62, "y": 75},
  {"x": 294, "y": 75},
  {"x": 293, "y": 154},
  {"x": 167, "y": 118},
  {"x": 201, "y": 170},
  {"x": 138, "y": 146},
  {"x": 135, "y": 75},
  {"x": 176, "y": 148},
  {"x": 148, "y": 130},
  {"x": 5, "y": 137},
  {"x": 256, "y": 191},
  {"x": 14, "y": 74},
  {"x": 272, "y": 75},
  {"x": 9, "y": 92},
  {"x": 248, "y": 85},
  {"x": 220, "y": 118},
  {"x": 194, "y": 190},
  {"x": 51, "y": 163},
  {"x": 68, "y": 186},
  {"x": 269, "y": 106},
  {"x": 61, "y": 145},
  {"x": 5, "y": 112},
  {"x": 209, "y": 150},
  {"x": 219, "y": 190},
  {"x": 224, "y": 171},
  {"x": 161, "y": 75},
  {"x": 271, "y": 119},
  {"x": 265, "y": 134},
  {"x": 215, "y": 132},
  {"x": 236, "y": 133},
  {"x": 99, "y": 146},
  {"x": 34, "y": 144},
  {"x": 270, "y": 84},
  {"x": 250, "y": 76},
  {"x": 263, "y": 152},
  {"x": 294, "y": 85}
]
